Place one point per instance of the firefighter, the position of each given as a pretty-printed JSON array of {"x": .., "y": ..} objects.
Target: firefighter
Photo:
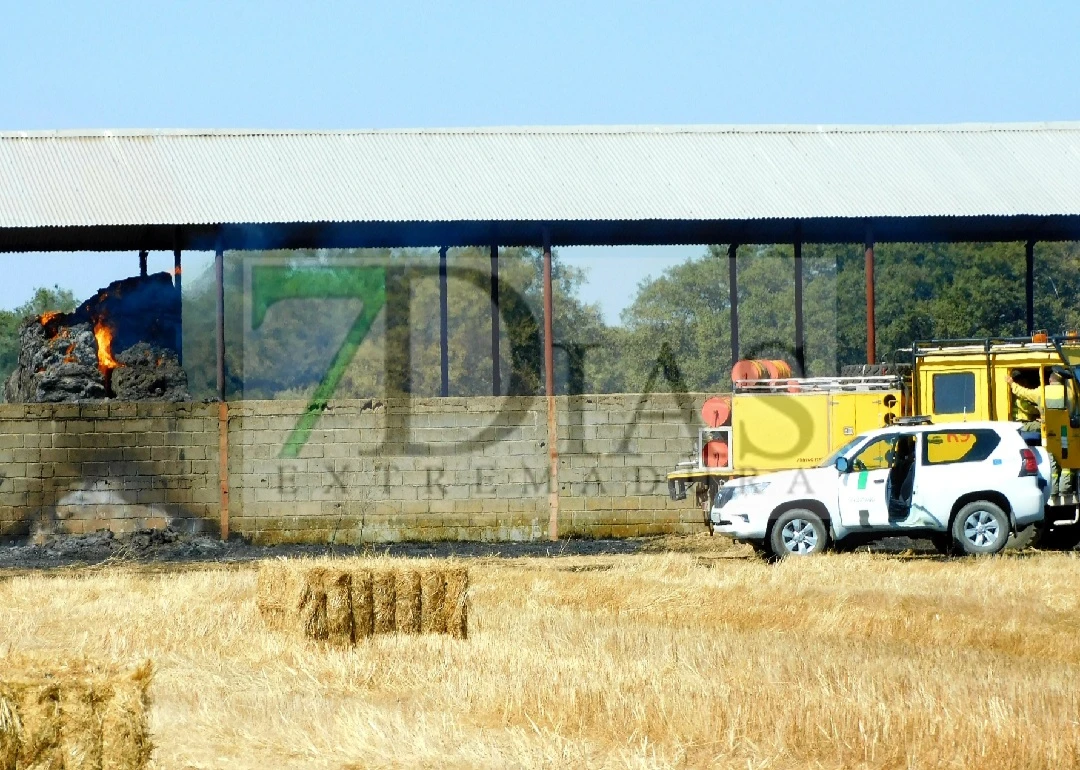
[{"x": 1028, "y": 408}]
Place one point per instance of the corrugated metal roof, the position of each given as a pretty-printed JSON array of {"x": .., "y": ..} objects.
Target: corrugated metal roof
[{"x": 125, "y": 178}]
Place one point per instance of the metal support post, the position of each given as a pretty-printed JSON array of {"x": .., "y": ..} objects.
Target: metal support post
[
  {"x": 733, "y": 292},
  {"x": 179, "y": 287},
  {"x": 444, "y": 344},
  {"x": 496, "y": 364},
  {"x": 143, "y": 254},
  {"x": 800, "y": 332},
  {"x": 871, "y": 333},
  {"x": 1029, "y": 284},
  {"x": 223, "y": 407},
  {"x": 549, "y": 390}
]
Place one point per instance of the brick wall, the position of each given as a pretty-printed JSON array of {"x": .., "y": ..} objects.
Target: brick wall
[{"x": 364, "y": 470}]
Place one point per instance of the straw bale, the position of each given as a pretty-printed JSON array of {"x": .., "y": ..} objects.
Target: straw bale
[
  {"x": 457, "y": 602},
  {"x": 80, "y": 723},
  {"x": 10, "y": 732},
  {"x": 313, "y": 607},
  {"x": 407, "y": 585},
  {"x": 433, "y": 601},
  {"x": 280, "y": 588},
  {"x": 337, "y": 585},
  {"x": 38, "y": 703},
  {"x": 384, "y": 601},
  {"x": 126, "y": 743},
  {"x": 362, "y": 604},
  {"x": 77, "y": 715}
]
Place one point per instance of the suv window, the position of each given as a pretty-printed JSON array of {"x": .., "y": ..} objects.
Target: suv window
[
  {"x": 875, "y": 455},
  {"x": 954, "y": 393},
  {"x": 959, "y": 446}
]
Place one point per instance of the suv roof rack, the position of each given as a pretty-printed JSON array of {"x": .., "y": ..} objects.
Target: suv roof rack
[{"x": 919, "y": 419}]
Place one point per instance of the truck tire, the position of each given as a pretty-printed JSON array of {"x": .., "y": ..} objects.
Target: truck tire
[
  {"x": 798, "y": 532},
  {"x": 710, "y": 488},
  {"x": 980, "y": 527},
  {"x": 942, "y": 542},
  {"x": 1063, "y": 538}
]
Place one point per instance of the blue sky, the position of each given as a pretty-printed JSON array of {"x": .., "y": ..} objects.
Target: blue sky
[{"x": 329, "y": 65}]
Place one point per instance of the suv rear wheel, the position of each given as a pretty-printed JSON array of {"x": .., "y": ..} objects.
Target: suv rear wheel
[
  {"x": 798, "y": 532},
  {"x": 981, "y": 527}
]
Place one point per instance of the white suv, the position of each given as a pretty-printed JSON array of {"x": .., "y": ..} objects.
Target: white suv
[{"x": 966, "y": 486}]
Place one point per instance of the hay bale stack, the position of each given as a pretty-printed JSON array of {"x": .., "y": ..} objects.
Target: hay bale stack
[
  {"x": 280, "y": 588},
  {"x": 457, "y": 602},
  {"x": 73, "y": 716},
  {"x": 363, "y": 604},
  {"x": 407, "y": 587},
  {"x": 343, "y": 605},
  {"x": 80, "y": 723},
  {"x": 433, "y": 601},
  {"x": 384, "y": 601},
  {"x": 37, "y": 701},
  {"x": 125, "y": 739},
  {"x": 10, "y": 732},
  {"x": 325, "y": 606}
]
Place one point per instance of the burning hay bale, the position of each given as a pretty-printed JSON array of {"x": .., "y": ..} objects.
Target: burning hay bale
[
  {"x": 123, "y": 342},
  {"x": 77, "y": 715},
  {"x": 344, "y": 605},
  {"x": 56, "y": 366},
  {"x": 143, "y": 373}
]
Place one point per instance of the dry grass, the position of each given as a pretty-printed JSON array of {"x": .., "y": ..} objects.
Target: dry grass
[{"x": 666, "y": 660}]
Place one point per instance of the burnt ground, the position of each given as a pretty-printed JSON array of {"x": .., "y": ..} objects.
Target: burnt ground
[
  {"x": 171, "y": 547},
  {"x": 171, "y": 550}
]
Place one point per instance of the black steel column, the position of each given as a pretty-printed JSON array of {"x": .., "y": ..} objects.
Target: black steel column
[
  {"x": 733, "y": 292},
  {"x": 871, "y": 323},
  {"x": 142, "y": 262},
  {"x": 223, "y": 407},
  {"x": 219, "y": 275},
  {"x": 179, "y": 287},
  {"x": 1029, "y": 284},
  {"x": 444, "y": 345},
  {"x": 800, "y": 335},
  {"x": 549, "y": 391},
  {"x": 496, "y": 375}
]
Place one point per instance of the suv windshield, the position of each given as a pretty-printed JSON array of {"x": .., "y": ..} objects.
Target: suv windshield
[{"x": 831, "y": 459}]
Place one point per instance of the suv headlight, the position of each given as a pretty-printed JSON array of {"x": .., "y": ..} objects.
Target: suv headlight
[{"x": 729, "y": 493}]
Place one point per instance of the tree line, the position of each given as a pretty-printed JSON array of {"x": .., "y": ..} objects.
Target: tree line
[{"x": 675, "y": 334}]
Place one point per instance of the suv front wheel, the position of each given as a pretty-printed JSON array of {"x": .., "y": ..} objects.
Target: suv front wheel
[
  {"x": 981, "y": 527},
  {"x": 798, "y": 532}
]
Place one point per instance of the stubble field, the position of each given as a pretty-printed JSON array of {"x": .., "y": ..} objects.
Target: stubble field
[{"x": 668, "y": 659}]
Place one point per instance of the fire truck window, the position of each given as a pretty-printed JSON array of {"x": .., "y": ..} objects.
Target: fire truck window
[
  {"x": 954, "y": 393},
  {"x": 876, "y": 455},
  {"x": 948, "y": 446}
]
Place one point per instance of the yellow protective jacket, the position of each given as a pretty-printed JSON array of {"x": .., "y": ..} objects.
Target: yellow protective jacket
[{"x": 1028, "y": 405}]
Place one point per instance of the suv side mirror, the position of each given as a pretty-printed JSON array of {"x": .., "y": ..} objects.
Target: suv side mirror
[{"x": 843, "y": 464}]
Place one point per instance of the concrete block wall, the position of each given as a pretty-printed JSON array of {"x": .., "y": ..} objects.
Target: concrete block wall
[
  {"x": 372, "y": 470},
  {"x": 121, "y": 466}
]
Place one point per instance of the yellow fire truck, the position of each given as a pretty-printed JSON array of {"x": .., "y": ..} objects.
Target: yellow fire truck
[{"x": 771, "y": 423}]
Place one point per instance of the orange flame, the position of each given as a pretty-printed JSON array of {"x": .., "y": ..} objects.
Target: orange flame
[
  {"x": 48, "y": 315},
  {"x": 103, "y": 334}
]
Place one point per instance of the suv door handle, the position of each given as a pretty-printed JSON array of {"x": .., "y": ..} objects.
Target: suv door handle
[{"x": 879, "y": 481}]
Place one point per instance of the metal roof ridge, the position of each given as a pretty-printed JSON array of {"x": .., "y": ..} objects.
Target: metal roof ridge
[{"x": 809, "y": 128}]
